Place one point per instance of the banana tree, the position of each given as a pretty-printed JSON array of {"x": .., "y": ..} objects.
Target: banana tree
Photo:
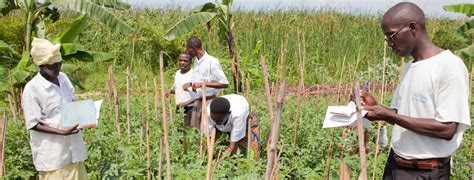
[
  {"x": 35, "y": 13},
  {"x": 466, "y": 31},
  {"x": 212, "y": 13}
]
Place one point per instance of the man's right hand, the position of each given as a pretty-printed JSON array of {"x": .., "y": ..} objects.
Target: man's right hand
[
  {"x": 69, "y": 131},
  {"x": 367, "y": 99},
  {"x": 186, "y": 86}
]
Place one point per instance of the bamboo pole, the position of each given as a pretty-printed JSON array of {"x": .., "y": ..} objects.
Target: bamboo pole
[
  {"x": 164, "y": 121},
  {"x": 272, "y": 150},
  {"x": 148, "y": 156},
  {"x": 360, "y": 133},
  {"x": 3, "y": 131},
  {"x": 128, "y": 103}
]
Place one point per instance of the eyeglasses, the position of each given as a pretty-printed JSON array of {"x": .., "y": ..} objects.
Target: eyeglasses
[{"x": 391, "y": 37}]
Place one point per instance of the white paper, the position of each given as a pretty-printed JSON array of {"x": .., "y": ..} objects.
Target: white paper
[
  {"x": 85, "y": 113},
  {"x": 332, "y": 120}
]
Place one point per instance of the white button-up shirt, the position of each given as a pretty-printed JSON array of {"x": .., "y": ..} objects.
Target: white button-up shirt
[
  {"x": 237, "y": 121},
  {"x": 208, "y": 69},
  {"x": 41, "y": 102}
]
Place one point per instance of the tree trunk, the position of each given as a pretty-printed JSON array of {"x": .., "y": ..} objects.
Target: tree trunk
[{"x": 233, "y": 55}]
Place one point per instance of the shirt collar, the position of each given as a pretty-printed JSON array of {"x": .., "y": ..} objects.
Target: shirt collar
[
  {"x": 46, "y": 84},
  {"x": 202, "y": 58}
]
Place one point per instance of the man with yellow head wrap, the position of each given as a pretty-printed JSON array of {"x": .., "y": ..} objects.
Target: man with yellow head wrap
[{"x": 57, "y": 153}]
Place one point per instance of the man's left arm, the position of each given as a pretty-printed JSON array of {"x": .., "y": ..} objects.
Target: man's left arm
[{"x": 426, "y": 126}]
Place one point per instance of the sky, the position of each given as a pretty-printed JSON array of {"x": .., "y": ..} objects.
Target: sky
[{"x": 432, "y": 8}]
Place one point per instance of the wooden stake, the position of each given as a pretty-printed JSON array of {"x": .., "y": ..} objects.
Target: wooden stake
[
  {"x": 204, "y": 120},
  {"x": 128, "y": 103},
  {"x": 360, "y": 133},
  {"x": 344, "y": 171},
  {"x": 165, "y": 123},
  {"x": 210, "y": 153},
  {"x": 275, "y": 131},
  {"x": 148, "y": 156},
  {"x": 3, "y": 131}
]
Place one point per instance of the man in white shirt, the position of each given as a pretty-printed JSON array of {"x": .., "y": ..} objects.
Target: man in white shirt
[
  {"x": 182, "y": 97},
  {"x": 229, "y": 114},
  {"x": 430, "y": 108},
  {"x": 206, "y": 69},
  {"x": 57, "y": 153}
]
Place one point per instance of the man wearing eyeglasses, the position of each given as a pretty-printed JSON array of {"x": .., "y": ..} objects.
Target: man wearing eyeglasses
[
  {"x": 228, "y": 114},
  {"x": 430, "y": 108}
]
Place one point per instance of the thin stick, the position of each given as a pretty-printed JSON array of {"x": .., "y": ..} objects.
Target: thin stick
[
  {"x": 3, "y": 131},
  {"x": 156, "y": 98},
  {"x": 275, "y": 131},
  {"x": 14, "y": 97},
  {"x": 160, "y": 159},
  {"x": 116, "y": 101},
  {"x": 267, "y": 88},
  {"x": 128, "y": 103},
  {"x": 170, "y": 110},
  {"x": 379, "y": 123},
  {"x": 141, "y": 129},
  {"x": 249, "y": 127},
  {"x": 360, "y": 133},
  {"x": 210, "y": 153},
  {"x": 300, "y": 92},
  {"x": 148, "y": 156},
  {"x": 340, "y": 80},
  {"x": 165, "y": 124}
]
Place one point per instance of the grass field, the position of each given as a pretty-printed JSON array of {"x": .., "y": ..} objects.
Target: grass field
[{"x": 330, "y": 43}]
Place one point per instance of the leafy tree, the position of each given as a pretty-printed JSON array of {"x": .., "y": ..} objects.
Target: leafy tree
[
  {"x": 35, "y": 14},
  {"x": 466, "y": 31}
]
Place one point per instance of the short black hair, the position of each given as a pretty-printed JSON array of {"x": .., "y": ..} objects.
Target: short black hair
[
  {"x": 187, "y": 55},
  {"x": 220, "y": 105},
  {"x": 194, "y": 42}
]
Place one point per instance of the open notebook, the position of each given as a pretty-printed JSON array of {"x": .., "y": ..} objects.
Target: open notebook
[{"x": 85, "y": 113}]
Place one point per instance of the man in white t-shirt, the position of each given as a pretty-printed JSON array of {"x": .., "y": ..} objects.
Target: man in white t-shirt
[
  {"x": 430, "y": 108},
  {"x": 206, "y": 69},
  {"x": 182, "y": 97},
  {"x": 58, "y": 153},
  {"x": 228, "y": 114}
]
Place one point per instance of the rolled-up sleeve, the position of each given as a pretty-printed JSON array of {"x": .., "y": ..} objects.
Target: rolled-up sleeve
[{"x": 31, "y": 109}]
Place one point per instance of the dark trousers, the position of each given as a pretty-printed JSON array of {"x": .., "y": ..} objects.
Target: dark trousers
[{"x": 395, "y": 172}]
